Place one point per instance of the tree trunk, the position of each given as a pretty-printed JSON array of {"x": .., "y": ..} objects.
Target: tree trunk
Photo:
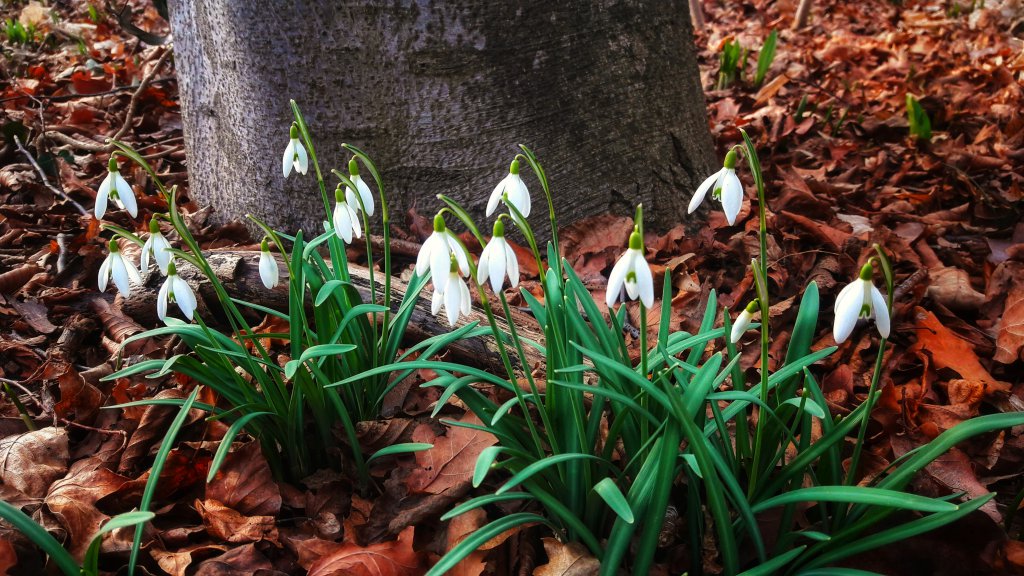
[{"x": 440, "y": 93}]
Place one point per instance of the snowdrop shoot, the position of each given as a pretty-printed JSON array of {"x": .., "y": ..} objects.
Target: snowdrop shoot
[
  {"x": 294, "y": 154},
  {"x": 157, "y": 247},
  {"x": 631, "y": 273},
  {"x": 178, "y": 291},
  {"x": 498, "y": 260},
  {"x": 725, "y": 187},
  {"x": 440, "y": 249},
  {"x": 119, "y": 269},
  {"x": 512, "y": 190},
  {"x": 364, "y": 199},
  {"x": 345, "y": 220},
  {"x": 269, "y": 272},
  {"x": 860, "y": 299},
  {"x": 743, "y": 321},
  {"x": 454, "y": 296},
  {"x": 115, "y": 187}
]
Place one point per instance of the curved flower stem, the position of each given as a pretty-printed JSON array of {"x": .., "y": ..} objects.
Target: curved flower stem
[
  {"x": 459, "y": 212},
  {"x": 762, "y": 295},
  {"x": 538, "y": 170},
  {"x": 308, "y": 141},
  {"x": 876, "y": 374},
  {"x": 369, "y": 255}
]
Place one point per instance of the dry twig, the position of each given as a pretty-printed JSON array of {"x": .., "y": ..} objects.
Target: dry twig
[{"x": 46, "y": 181}]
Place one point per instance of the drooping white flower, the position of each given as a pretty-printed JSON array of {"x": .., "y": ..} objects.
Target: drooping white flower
[
  {"x": 860, "y": 299},
  {"x": 512, "y": 190},
  {"x": 498, "y": 260},
  {"x": 116, "y": 188},
  {"x": 364, "y": 194},
  {"x": 743, "y": 321},
  {"x": 631, "y": 273},
  {"x": 178, "y": 291},
  {"x": 118, "y": 268},
  {"x": 158, "y": 247},
  {"x": 294, "y": 154},
  {"x": 725, "y": 187},
  {"x": 345, "y": 220},
  {"x": 454, "y": 296},
  {"x": 436, "y": 254},
  {"x": 269, "y": 272}
]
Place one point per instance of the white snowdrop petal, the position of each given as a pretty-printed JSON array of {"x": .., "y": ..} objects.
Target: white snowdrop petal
[
  {"x": 512, "y": 264},
  {"x": 483, "y": 267},
  {"x": 184, "y": 296},
  {"x": 440, "y": 266},
  {"x": 645, "y": 280},
  {"x": 702, "y": 191},
  {"x": 119, "y": 273},
  {"x": 881, "y": 309},
  {"x": 461, "y": 257},
  {"x": 102, "y": 195},
  {"x": 147, "y": 248},
  {"x": 133, "y": 272},
  {"x": 357, "y": 229},
  {"x": 464, "y": 299},
  {"x": 497, "y": 258},
  {"x": 161, "y": 299},
  {"x": 452, "y": 299},
  {"x": 492, "y": 202},
  {"x": 288, "y": 160},
  {"x": 126, "y": 195},
  {"x": 162, "y": 253},
  {"x": 364, "y": 193},
  {"x": 615, "y": 280},
  {"x": 435, "y": 302},
  {"x": 847, "y": 312},
  {"x": 101, "y": 280},
  {"x": 301, "y": 159},
  {"x": 269, "y": 272},
  {"x": 843, "y": 294},
  {"x": 732, "y": 196},
  {"x": 740, "y": 326}
]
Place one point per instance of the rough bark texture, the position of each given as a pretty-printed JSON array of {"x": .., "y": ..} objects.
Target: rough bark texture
[{"x": 606, "y": 93}]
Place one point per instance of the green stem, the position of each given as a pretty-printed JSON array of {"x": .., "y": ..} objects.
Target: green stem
[{"x": 876, "y": 375}]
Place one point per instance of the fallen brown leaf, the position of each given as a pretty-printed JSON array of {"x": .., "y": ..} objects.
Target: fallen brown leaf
[
  {"x": 567, "y": 559},
  {"x": 227, "y": 525},
  {"x": 385, "y": 559},
  {"x": 244, "y": 482},
  {"x": 452, "y": 458},
  {"x": 32, "y": 461}
]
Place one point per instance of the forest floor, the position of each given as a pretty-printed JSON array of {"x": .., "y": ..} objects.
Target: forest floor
[{"x": 831, "y": 128}]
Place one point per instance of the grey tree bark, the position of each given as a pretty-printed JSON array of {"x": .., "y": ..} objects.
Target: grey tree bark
[{"x": 607, "y": 93}]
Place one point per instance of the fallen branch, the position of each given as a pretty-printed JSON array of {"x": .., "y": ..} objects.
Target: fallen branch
[
  {"x": 129, "y": 115},
  {"x": 46, "y": 182},
  {"x": 239, "y": 272}
]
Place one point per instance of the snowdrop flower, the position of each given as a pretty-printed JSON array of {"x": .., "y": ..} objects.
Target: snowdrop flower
[
  {"x": 497, "y": 260},
  {"x": 158, "y": 247},
  {"x": 178, "y": 291},
  {"x": 269, "y": 273},
  {"x": 294, "y": 154},
  {"x": 437, "y": 252},
  {"x": 512, "y": 191},
  {"x": 364, "y": 191},
  {"x": 860, "y": 299},
  {"x": 345, "y": 219},
  {"x": 743, "y": 321},
  {"x": 118, "y": 268},
  {"x": 632, "y": 273},
  {"x": 116, "y": 188},
  {"x": 725, "y": 187},
  {"x": 454, "y": 295}
]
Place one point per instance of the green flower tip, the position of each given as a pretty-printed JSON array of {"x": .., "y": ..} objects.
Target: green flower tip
[
  {"x": 454, "y": 267},
  {"x": 439, "y": 223},
  {"x": 171, "y": 268},
  {"x": 113, "y": 246},
  {"x": 867, "y": 271},
  {"x": 112, "y": 164},
  {"x": 635, "y": 241},
  {"x": 730, "y": 160},
  {"x": 264, "y": 246},
  {"x": 154, "y": 226},
  {"x": 353, "y": 167},
  {"x": 499, "y": 228},
  {"x": 514, "y": 167},
  {"x": 339, "y": 194},
  {"x": 294, "y": 131},
  {"x": 753, "y": 306}
]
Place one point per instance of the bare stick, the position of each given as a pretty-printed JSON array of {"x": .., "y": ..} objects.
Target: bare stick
[
  {"x": 129, "y": 115},
  {"x": 46, "y": 181},
  {"x": 696, "y": 15},
  {"x": 803, "y": 11}
]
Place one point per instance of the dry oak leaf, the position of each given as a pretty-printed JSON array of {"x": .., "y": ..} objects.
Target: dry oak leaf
[
  {"x": 242, "y": 561},
  {"x": 952, "y": 288},
  {"x": 946, "y": 349},
  {"x": 225, "y": 524},
  {"x": 73, "y": 500},
  {"x": 459, "y": 528},
  {"x": 1010, "y": 335},
  {"x": 385, "y": 559},
  {"x": 244, "y": 482},
  {"x": 571, "y": 559},
  {"x": 451, "y": 460},
  {"x": 31, "y": 462},
  {"x": 176, "y": 562}
]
